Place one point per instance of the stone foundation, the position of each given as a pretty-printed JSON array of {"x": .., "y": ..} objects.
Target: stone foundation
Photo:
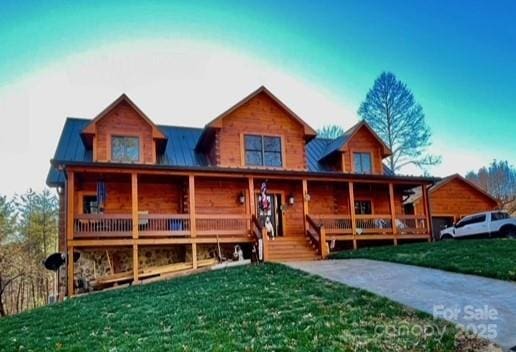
[{"x": 94, "y": 263}]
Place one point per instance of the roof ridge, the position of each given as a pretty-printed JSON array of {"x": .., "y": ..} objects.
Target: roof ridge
[
  {"x": 77, "y": 118},
  {"x": 182, "y": 127}
]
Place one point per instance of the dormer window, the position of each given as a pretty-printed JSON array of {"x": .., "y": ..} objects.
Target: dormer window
[
  {"x": 362, "y": 163},
  {"x": 125, "y": 149},
  {"x": 263, "y": 151}
]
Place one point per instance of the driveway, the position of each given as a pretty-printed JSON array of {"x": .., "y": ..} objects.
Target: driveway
[{"x": 484, "y": 304}]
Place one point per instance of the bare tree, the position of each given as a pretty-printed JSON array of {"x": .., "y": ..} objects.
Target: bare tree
[
  {"x": 499, "y": 180},
  {"x": 8, "y": 272},
  {"x": 330, "y": 131},
  {"x": 28, "y": 234},
  {"x": 391, "y": 110}
]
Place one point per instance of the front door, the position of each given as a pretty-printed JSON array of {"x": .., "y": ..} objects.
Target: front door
[{"x": 275, "y": 213}]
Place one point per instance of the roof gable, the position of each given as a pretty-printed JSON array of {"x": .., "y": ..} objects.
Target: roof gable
[
  {"x": 217, "y": 122},
  {"x": 90, "y": 128},
  {"x": 446, "y": 180},
  {"x": 340, "y": 143},
  {"x": 457, "y": 177}
]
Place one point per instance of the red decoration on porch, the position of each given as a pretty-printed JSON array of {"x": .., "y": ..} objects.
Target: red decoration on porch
[{"x": 265, "y": 204}]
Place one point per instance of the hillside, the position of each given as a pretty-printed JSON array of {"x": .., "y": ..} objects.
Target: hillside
[{"x": 265, "y": 307}]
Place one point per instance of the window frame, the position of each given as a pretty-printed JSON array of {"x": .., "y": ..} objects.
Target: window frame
[
  {"x": 361, "y": 152},
  {"x": 263, "y": 152},
  {"x": 125, "y": 135}
]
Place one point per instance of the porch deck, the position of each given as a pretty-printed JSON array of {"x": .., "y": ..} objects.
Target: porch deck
[{"x": 146, "y": 208}]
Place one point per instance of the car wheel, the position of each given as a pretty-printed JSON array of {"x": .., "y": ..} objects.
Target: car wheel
[
  {"x": 446, "y": 237},
  {"x": 509, "y": 232}
]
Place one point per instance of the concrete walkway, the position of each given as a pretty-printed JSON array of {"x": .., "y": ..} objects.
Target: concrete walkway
[{"x": 483, "y": 303}]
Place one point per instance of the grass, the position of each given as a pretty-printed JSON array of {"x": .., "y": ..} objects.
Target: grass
[
  {"x": 495, "y": 258},
  {"x": 253, "y": 308}
]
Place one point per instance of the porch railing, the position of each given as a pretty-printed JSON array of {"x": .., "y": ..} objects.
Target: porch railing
[
  {"x": 334, "y": 224},
  {"x": 223, "y": 225},
  {"x": 164, "y": 224},
  {"x": 103, "y": 225},
  {"x": 366, "y": 224},
  {"x": 412, "y": 224}
]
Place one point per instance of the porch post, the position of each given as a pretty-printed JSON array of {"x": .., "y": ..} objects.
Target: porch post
[
  {"x": 136, "y": 222},
  {"x": 70, "y": 190},
  {"x": 193, "y": 228},
  {"x": 393, "y": 214},
  {"x": 252, "y": 204},
  {"x": 426, "y": 207},
  {"x": 305, "y": 204},
  {"x": 352, "y": 213}
]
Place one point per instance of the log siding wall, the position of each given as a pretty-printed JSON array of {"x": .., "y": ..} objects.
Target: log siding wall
[
  {"x": 123, "y": 120},
  {"x": 363, "y": 142},
  {"x": 261, "y": 115},
  {"x": 456, "y": 198}
]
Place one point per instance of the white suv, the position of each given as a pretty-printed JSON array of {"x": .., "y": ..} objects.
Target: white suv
[{"x": 492, "y": 223}]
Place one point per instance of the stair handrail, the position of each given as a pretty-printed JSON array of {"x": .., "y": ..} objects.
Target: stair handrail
[{"x": 320, "y": 240}]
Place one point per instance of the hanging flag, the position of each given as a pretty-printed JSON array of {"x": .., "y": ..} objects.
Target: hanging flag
[{"x": 101, "y": 195}]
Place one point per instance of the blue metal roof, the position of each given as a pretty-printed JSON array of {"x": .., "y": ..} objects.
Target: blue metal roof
[
  {"x": 69, "y": 148},
  {"x": 179, "y": 151}
]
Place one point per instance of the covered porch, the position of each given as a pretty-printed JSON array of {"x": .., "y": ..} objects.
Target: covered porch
[
  {"x": 141, "y": 208},
  {"x": 364, "y": 211}
]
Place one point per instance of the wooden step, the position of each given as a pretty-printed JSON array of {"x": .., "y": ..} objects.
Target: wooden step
[{"x": 291, "y": 248}]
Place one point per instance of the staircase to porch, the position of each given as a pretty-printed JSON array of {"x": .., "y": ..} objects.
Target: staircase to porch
[{"x": 291, "y": 248}]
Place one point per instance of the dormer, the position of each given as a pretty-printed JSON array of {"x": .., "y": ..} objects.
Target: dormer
[
  {"x": 359, "y": 150},
  {"x": 122, "y": 133},
  {"x": 258, "y": 132}
]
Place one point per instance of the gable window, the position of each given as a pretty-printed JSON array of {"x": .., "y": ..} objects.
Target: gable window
[
  {"x": 125, "y": 149},
  {"x": 363, "y": 207},
  {"x": 363, "y": 163},
  {"x": 262, "y": 151}
]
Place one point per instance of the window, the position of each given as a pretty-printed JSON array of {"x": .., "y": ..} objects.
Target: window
[
  {"x": 363, "y": 207},
  {"x": 409, "y": 209},
  {"x": 499, "y": 215},
  {"x": 125, "y": 149},
  {"x": 90, "y": 205},
  {"x": 262, "y": 151},
  {"x": 468, "y": 220},
  {"x": 362, "y": 163}
]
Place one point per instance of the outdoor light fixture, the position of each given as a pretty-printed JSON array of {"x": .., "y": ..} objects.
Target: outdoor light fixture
[
  {"x": 60, "y": 190},
  {"x": 241, "y": 198},
  {"x": 307, "y": 197},
  {"x": 291, "y": 199}
]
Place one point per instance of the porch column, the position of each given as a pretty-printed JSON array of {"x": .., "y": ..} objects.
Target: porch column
[
  {"x": 305, "y": 204},
  {"x": 252, "y": 203},
  {"x": 393, "y": 214},
  {"x": 352, "y": 213},
  {"x": 70, "y": 190},
  {"x": 136, "y": 222},
  {"x": 426, "y": 207},
  {"x": 193, "y": 228}
]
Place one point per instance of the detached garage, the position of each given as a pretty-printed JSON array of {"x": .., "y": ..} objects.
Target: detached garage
[{"x": 450, "y": 199}]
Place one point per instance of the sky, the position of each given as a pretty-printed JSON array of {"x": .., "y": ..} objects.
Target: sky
[{"x": 185, "y": 62}]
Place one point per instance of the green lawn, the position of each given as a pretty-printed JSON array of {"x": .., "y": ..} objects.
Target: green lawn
[
  {"x": 494, "y": 258},
  {"x": 253, "y": 308}
]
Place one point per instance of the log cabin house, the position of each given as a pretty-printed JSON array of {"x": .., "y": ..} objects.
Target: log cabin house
[{"x": 136, "y": 197}]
